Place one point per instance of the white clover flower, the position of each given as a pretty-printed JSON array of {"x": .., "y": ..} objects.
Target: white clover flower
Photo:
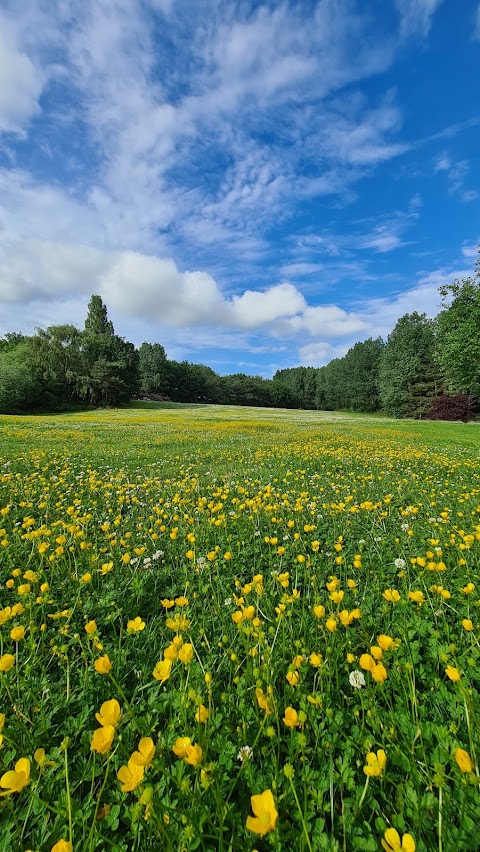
[
  {"x": 362, "y": 541},
  {"x": 245, "y": 753},
  {"x": 405, "y": 527},
  {"x": 400, "y": 563},
  {"x": 227, "y": 601},
  {"x": 357, "y": 679}
]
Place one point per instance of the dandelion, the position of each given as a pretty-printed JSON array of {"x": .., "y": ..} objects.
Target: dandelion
[
  {"x": 356, "y": 679},
  {"x": 263, "y": 806}
]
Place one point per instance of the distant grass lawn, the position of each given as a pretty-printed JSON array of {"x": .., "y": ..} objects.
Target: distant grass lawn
[{"x": 231, "y": 628}]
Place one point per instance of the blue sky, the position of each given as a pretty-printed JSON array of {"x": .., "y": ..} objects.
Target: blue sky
[{"x": 255, "y": 185}]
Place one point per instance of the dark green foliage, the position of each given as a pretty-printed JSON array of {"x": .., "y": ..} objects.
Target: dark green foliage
[
  {"x": 153, "y": 369},
  {"x": 458, "y": 330},
  {"x": 19, "y": 392},
  {"x": 409, "y": 375}
]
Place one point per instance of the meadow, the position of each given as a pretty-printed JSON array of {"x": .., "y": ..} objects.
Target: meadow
[{"x": 228, "y": 629}]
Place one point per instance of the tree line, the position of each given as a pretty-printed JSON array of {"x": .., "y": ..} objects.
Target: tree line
[{"x": 425, "y": 368}]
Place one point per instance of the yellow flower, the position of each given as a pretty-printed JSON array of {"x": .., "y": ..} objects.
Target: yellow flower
[
  {"x": 185, "y": 653},
  {"x": 337, "y": 597},
  {"x": 162, "y": 670},
  {"x": 167, "y": 603},
  {"x": 171, "y": 652},
  {"x": 293, "y": 678},
  {"x": 102, "y": 739},
  {"x": 202, "y": 714},
  {"x": 367, "y": 662},
  {"x": 464, "y": 761},
  {"x": 315, "y": 660},
  {"x": 387, "y": 643},
  {"x": 193, "y": 755},
  {"x": 86, "y": 578},
  {"x": 178, "y": 623},
  {"x": 331, "y": 625},
  {"x": 291, "y": 719},
  {"x": 263, "y": 702},
  {"x": 6, "y": 662},
  {"x": 135, "y": 625},
  {"x": 91, "y": 627},
  {"x": 467, "y": 624},
  {"x": 16, "y": 779},
  {"x": 392, "y": 842},
  {"x": 417, "y": 597},
  {"x": 452, "y": 673},
  {"x": 145, "y": 753},
  {"x": 376, "y": 652},
  {"x": 109, "y": 713},
  {"x": 130, "y": 776},
  {"x": 379, "y": 673},
  {"x": 40, "y": 758},
  {"x": 180, "y": 746},
  {"x": 17, "y": 633},
  {"x": 263, "y": 806},
  {"x": 62, "y": 846},
  {"x": 181, "y": 601},
  {"x": 375, "y": 763},
  {"x": 103, "y": 664},
  {"x": 391, "y": 595}
]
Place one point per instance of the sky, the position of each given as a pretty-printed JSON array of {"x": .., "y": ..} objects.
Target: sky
[{"x": 255, "y": 185}]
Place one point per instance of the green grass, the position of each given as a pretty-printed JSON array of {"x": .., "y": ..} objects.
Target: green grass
[{"x": 106, "y": 514}]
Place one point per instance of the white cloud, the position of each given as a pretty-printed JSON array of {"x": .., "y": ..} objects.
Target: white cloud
[
  {"x": 416, "y": 16},
  {"x": 254, "y": 309},
  {"x": 470, "y": 251},
  {"x": 476, "y": 31},
  {"x": 20, "y": 82}
]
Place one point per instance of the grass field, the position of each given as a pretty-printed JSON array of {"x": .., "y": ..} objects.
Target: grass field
[{"x": 237, "y": 629}]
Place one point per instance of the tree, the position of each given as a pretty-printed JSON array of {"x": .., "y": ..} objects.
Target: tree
[
  {"x": 110, "y": 364},
  {"x": 409, "y": 374},
  {"x": 153, "y": 369},
  {"x": 458, "y": 335},
  {"x": 19, "y": 391},
  {"x": 97, "y": 321}
]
